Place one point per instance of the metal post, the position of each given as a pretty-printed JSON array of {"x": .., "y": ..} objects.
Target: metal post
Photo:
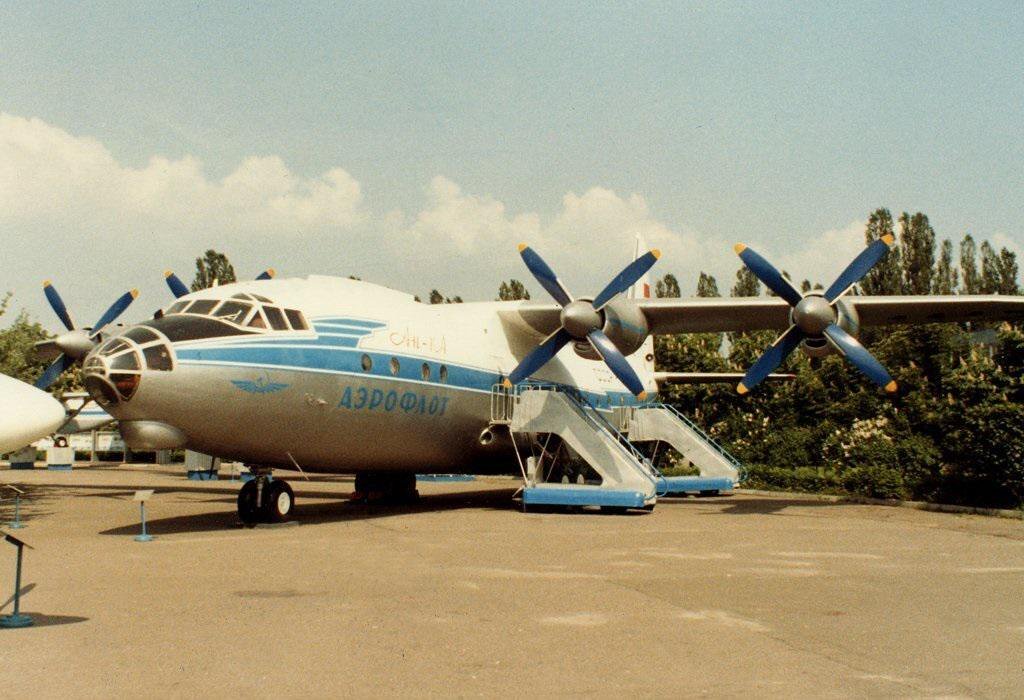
[
  {"x": 144, "y": 537},
  {"x": 94, "y": 446},
  {"x": 16, "y": 619},
  {"x": 16, "y": 525},
  {"x": 17, "y": 585}
]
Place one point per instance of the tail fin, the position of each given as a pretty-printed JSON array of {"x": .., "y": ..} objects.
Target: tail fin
[{"x": 642, "y": 288}]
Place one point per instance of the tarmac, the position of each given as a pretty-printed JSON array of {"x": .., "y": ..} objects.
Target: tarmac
[{"x": 463, "y": 595}]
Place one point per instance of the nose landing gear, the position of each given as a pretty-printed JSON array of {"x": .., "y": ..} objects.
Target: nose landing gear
[{"x": 266, "y": 500}]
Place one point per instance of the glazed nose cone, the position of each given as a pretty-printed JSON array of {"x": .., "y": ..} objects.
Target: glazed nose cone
[{"x": 26, "y": 414}]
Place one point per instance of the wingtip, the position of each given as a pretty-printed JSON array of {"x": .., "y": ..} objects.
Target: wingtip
[
  {"x": 522, "y": 247},
  {"x": 741, "y": 389},
  {"x": 739, "y": 248},
  {"x": 891, "y": 387},
  {"x": 888, "y": 239}
]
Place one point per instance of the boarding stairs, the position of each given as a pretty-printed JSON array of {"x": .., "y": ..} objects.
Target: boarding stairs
[
  {"x": 535, "y": 412},
  {"x": 661, "y": 423}
]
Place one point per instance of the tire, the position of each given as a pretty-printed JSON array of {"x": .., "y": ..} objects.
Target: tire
[
  {"x": 278, "y": 501},
  {"x": 248, "y": 508}
]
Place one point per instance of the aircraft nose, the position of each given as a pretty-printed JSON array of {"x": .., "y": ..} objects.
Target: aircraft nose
[
  {"x": 26, "y": 414},
  {"x": 112, "y": 372}
]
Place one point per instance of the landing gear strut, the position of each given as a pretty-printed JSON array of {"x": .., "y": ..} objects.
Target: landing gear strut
[{"x": 265, "y": 499}]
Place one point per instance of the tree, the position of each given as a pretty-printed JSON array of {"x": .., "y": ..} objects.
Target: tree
[
  {"x": 667, "y": 287},
  {"x": 437, "y": 298},
  {"x": 1008, "y": 272},
  {"x": 945, "y": 278},
  {"x": 17, "y": 352},
  {"x": 886, "y": 276},
  {"x": 512, "y": 291},
  {"x": 969, "y": 266},
  {"x": 212, "y": 269},
  {"x": 747, "y": 284},
  {"x": 917, "y": 250},
  {"x": 707, "y": 286},
  {"x": 991, "y": 274}
]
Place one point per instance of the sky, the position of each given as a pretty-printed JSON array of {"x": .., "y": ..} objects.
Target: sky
[{"x": 415, "y": 144}]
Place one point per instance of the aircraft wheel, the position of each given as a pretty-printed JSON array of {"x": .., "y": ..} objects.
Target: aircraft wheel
[
  {"x": 248, "y": 507},
  {"x": 278, "y": 501}
]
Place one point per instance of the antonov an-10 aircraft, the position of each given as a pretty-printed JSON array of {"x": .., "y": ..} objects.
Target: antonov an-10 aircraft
[{"x": 335, "y": 375}]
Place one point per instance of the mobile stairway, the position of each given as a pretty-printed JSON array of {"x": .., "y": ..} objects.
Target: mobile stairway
[
  {"x": 534, "y": 413},
  {"x": 658, "y": 422}
]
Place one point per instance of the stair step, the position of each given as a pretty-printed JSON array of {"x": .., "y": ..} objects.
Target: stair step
[
  {"x": 581, "y": 495},
  {"x": 695, "y": 484}
]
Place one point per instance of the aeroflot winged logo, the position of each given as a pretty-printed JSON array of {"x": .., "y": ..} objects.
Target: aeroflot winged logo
[{"x": 260, "y": 385}]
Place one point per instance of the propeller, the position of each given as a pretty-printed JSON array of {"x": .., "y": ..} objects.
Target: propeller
[
  {"x": 178, "y": 288},
  {"x": 76, "y": 342},
  {"x": 581, "y": 320},
  {"x": 815, "y": 316}
]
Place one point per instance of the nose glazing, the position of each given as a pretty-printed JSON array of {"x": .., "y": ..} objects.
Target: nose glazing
[{"x": 112, "y": 372}]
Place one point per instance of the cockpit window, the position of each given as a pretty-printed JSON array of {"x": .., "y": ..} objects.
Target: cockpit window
[
  {"x": 187, "y": 327},
  {"x": 202, "y": 306},
  {"x": 113, "y": 347},
  {"x": 234, "y": 311},
  {"x": 257, "y": 320},
  {"x": 276, "y": 318},
  {"x": 177, "y": 306},
  {"x": 296, "y": 319},
  {"x": 158, "y": 357},
  {"x": 141, "y": 335},
  {"x": 257, "y": 297}
]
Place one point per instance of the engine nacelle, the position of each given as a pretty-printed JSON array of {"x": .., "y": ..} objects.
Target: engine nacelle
[
  {"x": 846, "y": 318},
  {"x": 624, "y": 324}
]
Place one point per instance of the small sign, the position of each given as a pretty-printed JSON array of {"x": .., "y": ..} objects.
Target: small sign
[
  {"x": 143, "y": 495},
  {"x": 15, "y": 541}
]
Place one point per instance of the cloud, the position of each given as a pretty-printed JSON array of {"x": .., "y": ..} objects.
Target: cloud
[{"x": 824, "y": 256}]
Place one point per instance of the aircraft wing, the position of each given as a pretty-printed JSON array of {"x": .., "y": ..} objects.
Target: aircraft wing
[
  {"x": 713, "y": 315},
  {"x": 722, "y": 314}
]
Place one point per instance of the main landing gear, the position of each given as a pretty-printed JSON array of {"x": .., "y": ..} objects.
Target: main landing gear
[{"x": 265, "y": 500}]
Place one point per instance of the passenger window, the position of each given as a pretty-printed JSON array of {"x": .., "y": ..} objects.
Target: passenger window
[
  {"x": 425, "y": 372},
  {"x": 367, "y": 363},
  {"x": 202, "y": 306},
  {"x": 395, "y": 366},
  {"x": 234, "y": 311},
  {"x": 158, "y": 358},
  {"x": 276, "y": 318},
  {"x": 443, "y": 374},
  {"x": 296, "y": 319},
  {"x": 177, "y": 307}
]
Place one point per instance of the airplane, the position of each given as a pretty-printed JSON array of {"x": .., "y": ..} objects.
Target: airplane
[{"x": 330, "y": 375}]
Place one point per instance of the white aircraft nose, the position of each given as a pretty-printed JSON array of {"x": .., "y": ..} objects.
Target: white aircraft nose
[{"x": 26, "y": 414}]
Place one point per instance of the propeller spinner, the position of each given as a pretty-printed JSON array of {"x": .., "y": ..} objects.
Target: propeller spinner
[
  {"x": 77, "y": 342},
  {"x": 581, "y": 320},
  {"x": 815, "y": 316}
]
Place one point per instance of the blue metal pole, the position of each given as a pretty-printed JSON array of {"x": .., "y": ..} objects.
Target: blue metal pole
[
  {"x": 17, "y": 587},
  {"x": 16, "y": 525},
  {"x": 144, "y": 537}
]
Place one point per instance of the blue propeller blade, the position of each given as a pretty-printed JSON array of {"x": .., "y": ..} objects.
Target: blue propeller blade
[
  {"x": 115, "y": 310},
  {"x": 767, "y": 273},
  {"x": 545, "y": 275},
  {"x": 860, "y": 357},
  {"x": 539, "y": 356},
  {"x": 860, "y": 266},
  {"x": 617, "y": 363},
  {"x": 267, "y": 274},
  {"x": 178, "y": 288},
  {"x": 58, "y": 305},
  {"x": 54, "y": 371},
  {"x": 627, "y": 278},
  {"x": 771, "y": 359}
]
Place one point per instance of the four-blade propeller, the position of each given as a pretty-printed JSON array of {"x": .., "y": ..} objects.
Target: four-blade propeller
[
  {"x": 582, "y": 320},
  {"x": 815, "y": 316},
  {"x": 77, "y": 342}
]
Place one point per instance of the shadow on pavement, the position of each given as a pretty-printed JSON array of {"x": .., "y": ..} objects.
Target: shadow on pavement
[{"x": 40, "y": 620}]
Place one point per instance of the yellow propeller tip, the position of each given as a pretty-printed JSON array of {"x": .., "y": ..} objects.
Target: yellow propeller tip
[
  {"x": 739, "y": 248},
  {"x": 642, "y": 396},
  {"x": 507, "y": 384},
  {"x": 888, "y": 239},
  {"x": 135, "y": 293},
  {"x": 272, "y": 272},
  {"x": 656, "y": 253},
  {"x": 741, "y": 389},
  {"x": 891, "y": 387},
  {"x": 168, "y": 273},
  {"x": 522, "y": 247},
  {"x": 47, "y": 283}
]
